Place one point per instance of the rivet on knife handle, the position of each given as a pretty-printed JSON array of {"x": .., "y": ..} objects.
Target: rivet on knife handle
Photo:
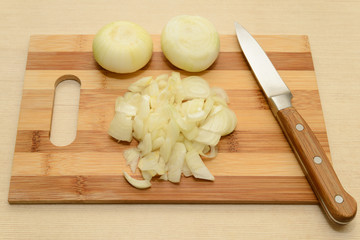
[{"x": 338, "y": 204}]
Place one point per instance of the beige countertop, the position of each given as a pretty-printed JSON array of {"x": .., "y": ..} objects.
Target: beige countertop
[{"x": 333, "y": 28}]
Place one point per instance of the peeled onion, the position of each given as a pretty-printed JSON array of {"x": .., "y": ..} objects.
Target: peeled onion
[
  {"x": 122, "y": 47},
  {"x": 190, "y": 42}
]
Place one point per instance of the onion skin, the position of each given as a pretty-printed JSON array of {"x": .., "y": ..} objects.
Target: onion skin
[
  {"x": 190, "y": 43},
  {"x": 122, "y": 47}
]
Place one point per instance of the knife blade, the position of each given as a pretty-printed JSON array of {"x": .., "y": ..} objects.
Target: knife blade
[{"x": 339, "y": 206}]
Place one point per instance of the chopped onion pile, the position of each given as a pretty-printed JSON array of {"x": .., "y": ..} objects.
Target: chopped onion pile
[
  {"x": 122, "y": 47},
  {"x": 190, "y": 42},
  {"x": 175, "y": 121}
]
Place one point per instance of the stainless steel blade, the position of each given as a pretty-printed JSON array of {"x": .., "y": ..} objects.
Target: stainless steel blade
[{"x": 276, "y": 91}]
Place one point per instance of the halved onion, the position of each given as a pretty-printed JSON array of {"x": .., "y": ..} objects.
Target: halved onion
[
  {"x": 190, "y": 42},
  {"x": 122, "y": 47}
]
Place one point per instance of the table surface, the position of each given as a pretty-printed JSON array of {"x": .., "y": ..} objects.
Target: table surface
[{"x": 333, "y": 28}]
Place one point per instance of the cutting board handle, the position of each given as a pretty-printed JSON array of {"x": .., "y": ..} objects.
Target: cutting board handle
[{"x": 337, "y": 203}]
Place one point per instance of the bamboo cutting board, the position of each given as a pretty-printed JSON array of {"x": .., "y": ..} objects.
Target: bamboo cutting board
[{"x": 255, "y": 164}]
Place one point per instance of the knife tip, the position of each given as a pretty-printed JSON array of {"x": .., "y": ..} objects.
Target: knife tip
[{"x": 238, "y": 26}]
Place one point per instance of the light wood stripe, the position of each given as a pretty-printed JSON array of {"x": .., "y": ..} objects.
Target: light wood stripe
[
  {"x": 248, "y": 120},
  {"x": 239, "y": 99},
  {"x": 100, "y": 141},
  {"x": 115, "y": 189},
  {"x": 113, "y": 163},
  {"x": 225, "y": 61},
  {"x": 228, "y": 43},
  {"x": 227, "y": 79}
]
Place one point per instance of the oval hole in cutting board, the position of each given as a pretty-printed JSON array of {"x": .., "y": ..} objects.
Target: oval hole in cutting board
[{"x": 65, "y": 110}]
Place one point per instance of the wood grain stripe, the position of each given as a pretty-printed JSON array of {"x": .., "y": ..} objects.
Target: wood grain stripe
[
  {"x": 225, "y": 61},
  {"x": 113, "y": 163},
  {"x": 228, "y": 43},
  {"x": 100, "y": 141},
  {"x": 240, "y": 99},
  {"x": 115, "y": 189},
  {"x": 227, "y": 79}
]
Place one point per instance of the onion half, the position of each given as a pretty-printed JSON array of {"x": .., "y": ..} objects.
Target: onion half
[
  {"x": 190, "y": 42},
  {"x": 122, "y": 47}
]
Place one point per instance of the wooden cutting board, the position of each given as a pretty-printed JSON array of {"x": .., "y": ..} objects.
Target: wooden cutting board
[{"x": 255, "y": 163}]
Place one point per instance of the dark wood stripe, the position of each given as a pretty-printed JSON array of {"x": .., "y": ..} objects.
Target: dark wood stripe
[
  {"x": 238, "y": 141},
  {"x": 225, "y": 61},
  {"x": 115, "y": 189}
]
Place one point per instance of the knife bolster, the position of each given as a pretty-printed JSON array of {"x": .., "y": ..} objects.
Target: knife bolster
[{"x": 280, "y": 102}]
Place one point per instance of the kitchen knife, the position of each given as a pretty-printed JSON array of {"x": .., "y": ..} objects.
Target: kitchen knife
[{"x": 337, "y": 203}]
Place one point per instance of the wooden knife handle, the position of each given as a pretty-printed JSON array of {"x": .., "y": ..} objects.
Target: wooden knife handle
[{"x": 337, "y": 203}]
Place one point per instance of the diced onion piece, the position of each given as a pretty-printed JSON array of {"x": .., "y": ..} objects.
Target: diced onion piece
[
  {"x": 193, "y": 109},
  {"x": 194, "y": 146},
  {"x": 232, "y": 120},
  {"x": 190, "y": 42},
  {"x": 219, "y": 100},
  {"x": 121, "y": 127},
  {"x": 124, "y": 107},
  {"x": 157, "y": 143},
  {"x": 162, "y": 78},
  {"x": 221, "y": 93},
  {"x": 161, "y": 168},
  {"x": 176, "y": 162},
  {"x": 207, "y": 137},
  {"x": 195, "y": 87},
  {"x": 132, "y": 156},
  {"x": 145, "y": 146},
  {"x": 223, "y": 122},
  {"x": 181, "y": 121},
  {"x": 153, "y": 163},
  {"x": 152, "y": 90},
  {"x": 122, "y": 47},
  {"x": 172, "y": 132},
  {"x": 209, "y": 103},
  {"x": 138, "y": 126},
  {"x": 181, "y": 138},
  {"x": 197, "y": 167},
  {"x": 149, "y": 162},
  {"x": 164, "y": 177},
  {"x": 185, "y": 170},
  {"x": 147, "y": 175},
  {"x": 133, "y": 99},
  {"x": 140, "y": 184},
  {"x": 212, "y": 154},
  {"x": 165, "y": 149},
  {"x": 156, "y": 120},
  {"x": 140, "y": 84},
  {"x": 144, "y": 107},
  {"x": 191, "y": 134}
]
